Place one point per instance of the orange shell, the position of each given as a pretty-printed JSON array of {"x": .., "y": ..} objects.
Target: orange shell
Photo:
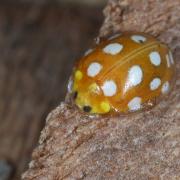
[{"x": 124, "y": 73}]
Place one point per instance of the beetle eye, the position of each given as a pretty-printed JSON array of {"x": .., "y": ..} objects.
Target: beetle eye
[
  {"x": 87, "y": 108},
  {"x": 75, "y": 94}
]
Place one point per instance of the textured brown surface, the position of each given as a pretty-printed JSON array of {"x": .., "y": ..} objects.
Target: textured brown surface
[
  {"x": 38, "y": 46},
  {"x": 140, "y": 146}
]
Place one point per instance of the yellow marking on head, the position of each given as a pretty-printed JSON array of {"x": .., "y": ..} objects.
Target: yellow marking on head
[
  {"x": 93, "y": 87},
  {"x": 105, "y": 106},
  {"x": 78, "y": 75},
  {"x": 75, "y": 86}
]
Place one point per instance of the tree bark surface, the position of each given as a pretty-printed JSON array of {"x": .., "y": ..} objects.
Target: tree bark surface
[{"x": 138, "y": 146}]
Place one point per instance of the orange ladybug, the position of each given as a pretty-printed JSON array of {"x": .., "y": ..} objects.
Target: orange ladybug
[{"x": 125, "y": 73}]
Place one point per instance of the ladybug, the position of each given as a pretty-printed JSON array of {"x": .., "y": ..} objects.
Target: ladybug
[{"x": 124, "y": 73}]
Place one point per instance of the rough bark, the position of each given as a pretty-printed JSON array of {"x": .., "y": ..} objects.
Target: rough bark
[{"x": 138, "y": 146}]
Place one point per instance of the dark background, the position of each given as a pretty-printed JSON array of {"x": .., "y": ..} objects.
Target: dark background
[{"x": 39, "y": 42}]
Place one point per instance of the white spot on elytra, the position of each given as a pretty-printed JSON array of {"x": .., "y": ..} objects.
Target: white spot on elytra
[
  {"x": 94, "y": 69},
  {"x": 113, "y": 49},
  {"x": 165, "y": 88},
  {"x": 135, "y": 104},
  {"x": 135, "y": 75},
  {"x": 168, "y": 61},
  {"x": 171, "y": 57},
  {"x": 109, "y": 88},
  {"x": 155, "y": 83},
  {"x": 89, "y": 51},
  {"x": 138, "y": 38},
  {"x": 155, "y": 58}
]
